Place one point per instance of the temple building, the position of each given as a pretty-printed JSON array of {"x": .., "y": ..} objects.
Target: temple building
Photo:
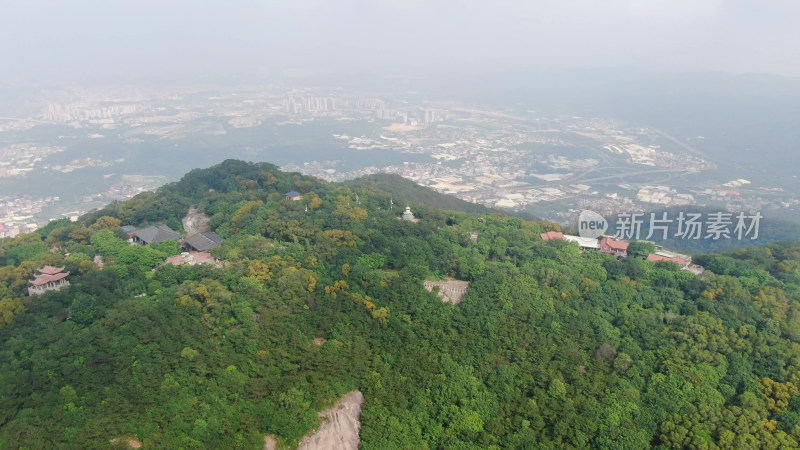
[
  {"x": 202, "y": 242},
  {"x": 614, "y": 247},
  {"x": 552, "y": 235},
  {"x": 49, "y": 278},
  {"x": 408, "y": 215},
  {"x": 154, "y": 234},
  {"x": 293, "y": 196},
  {"x": 678, "y": 258}
]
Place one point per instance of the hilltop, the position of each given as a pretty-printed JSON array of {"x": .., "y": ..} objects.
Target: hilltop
[
  {"x": 403, "y": 188},
  {"x": 319, "y": 290}
]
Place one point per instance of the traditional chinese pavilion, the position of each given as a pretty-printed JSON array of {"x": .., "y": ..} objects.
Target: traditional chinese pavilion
[{"x": 49, "y": 278}]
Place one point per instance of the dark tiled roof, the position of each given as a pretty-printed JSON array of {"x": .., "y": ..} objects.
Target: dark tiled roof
[
  {"x": 156, "y": 234},
  {"x": 293, "y": 194},
  {"x": 204, "y": 241}
]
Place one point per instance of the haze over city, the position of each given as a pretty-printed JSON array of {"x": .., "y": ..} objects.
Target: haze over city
[
  {"x": 54, "y": 41},
  {"x": 539, "y": 107}
]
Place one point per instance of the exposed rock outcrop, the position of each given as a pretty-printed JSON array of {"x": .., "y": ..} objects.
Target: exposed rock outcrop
[
  {"x": 195, "y": 221},
  {"x": 449, "y": 291},
  {"x": 340, "y": 428}
]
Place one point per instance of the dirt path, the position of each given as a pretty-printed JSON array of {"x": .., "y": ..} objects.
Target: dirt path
[{"x": 341, "y": 427}]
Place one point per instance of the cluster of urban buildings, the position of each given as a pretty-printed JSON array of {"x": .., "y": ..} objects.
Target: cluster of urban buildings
[
  {"x": 664, "y": 195},
  {"x": 653, "y": 156},
  {"x": 519, "y": 160},
  {"x": 19, "y": 159},
  {"x": 82, "y": 163},
  {"x": 87, "y": 112},
  {"x": 21, "y": 214},
  {"x": 24, "y": 213},
  {"x": 297, "y": 105}
]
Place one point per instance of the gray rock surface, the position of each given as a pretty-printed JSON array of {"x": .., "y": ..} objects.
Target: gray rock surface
[
  {"x": 195, "y": 221},
  {"x": 340, "y": 428}
]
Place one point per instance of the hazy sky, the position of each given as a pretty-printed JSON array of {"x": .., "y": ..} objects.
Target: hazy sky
[{"x": 57, "y": 40}]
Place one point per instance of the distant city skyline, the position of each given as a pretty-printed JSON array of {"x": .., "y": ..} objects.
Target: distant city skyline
[
  {"x": 76, "y": 148},
  {"x": 49, "y": 41}
]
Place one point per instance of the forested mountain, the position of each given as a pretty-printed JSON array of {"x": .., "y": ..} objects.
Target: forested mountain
[
  {"x": 550, "y": 348},
  {"x": 407, "y": 189}
]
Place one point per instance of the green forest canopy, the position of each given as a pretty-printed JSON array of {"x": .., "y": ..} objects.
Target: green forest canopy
[{"x": 550, "y": 348}]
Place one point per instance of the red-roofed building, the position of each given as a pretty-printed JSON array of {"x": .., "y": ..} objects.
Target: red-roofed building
[
  {"x": 49, "y": 278},
  {"x": 683, "y": 262},
  {"x": 50, "y": 270},
  {"x": 614, "y": 247},
  {"x": 551, "y": 235}
]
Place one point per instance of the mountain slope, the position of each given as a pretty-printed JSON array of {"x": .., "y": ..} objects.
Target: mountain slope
[
  {"x": 318, "y": 297},
  {"x": 406, "y": 189}
]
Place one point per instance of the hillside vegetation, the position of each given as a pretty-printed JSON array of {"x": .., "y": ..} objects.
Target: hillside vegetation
[
  {"x": 550, "y": 348},
  {"x": 410, "y": 191}
]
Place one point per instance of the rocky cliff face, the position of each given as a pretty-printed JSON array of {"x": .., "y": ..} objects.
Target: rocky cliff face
[
  {"x": 195, "y": 221},
  {"x": 340, "y": 428}
]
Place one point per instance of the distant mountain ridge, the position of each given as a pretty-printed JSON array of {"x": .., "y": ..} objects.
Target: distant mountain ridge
[
  {"x": 406, "y": 189},
  {"x": 199, "y": 185}
]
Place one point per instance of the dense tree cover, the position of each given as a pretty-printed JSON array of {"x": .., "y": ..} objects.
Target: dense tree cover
[
  {"x": 641, "y": 249},
  {"x": 550, "y": 348},
  {"x": 403, "y": 188}
]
